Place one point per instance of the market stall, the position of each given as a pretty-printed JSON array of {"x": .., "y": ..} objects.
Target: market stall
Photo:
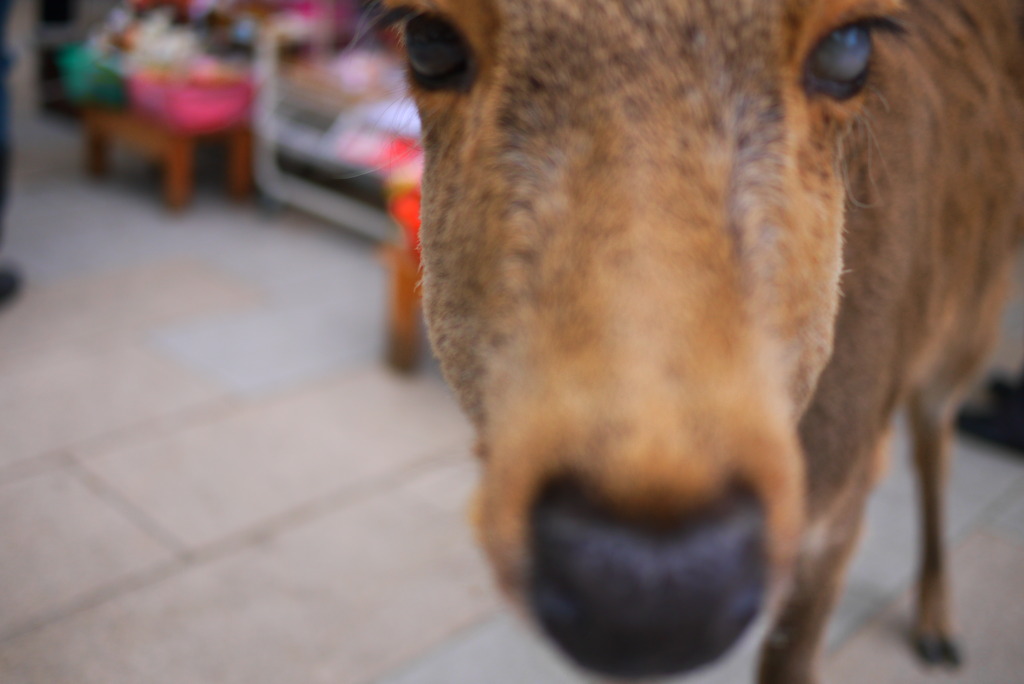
[
  {"x": 302, "y": 93},
  {"x": 332, "y": 125}
]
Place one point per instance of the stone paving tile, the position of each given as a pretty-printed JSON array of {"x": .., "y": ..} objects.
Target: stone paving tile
[
  {"x": 109, "y": 231},
  {"x": 1009, "y": 518},
  {"x": 449, "y": 488},
  {"x": 339, "y": 600},
  {"x": 58, "y": 397},
  {"x": 31, "y": 467},
  {"x": 501, "y": 651},
  {"x": 211, "y": 479},
  {"x": 505, "y": 651},
  {"x": 1006, "y": 357},
  {"x": 988, "y": 608},
  {"x": 293, "y": 258},
  {"x": 328, "y": 315},
  {"x": 131, "y": 300},
  {"x": 44, "y": 147},
  {"x": 856, "y": 606},
  {"x": 61, "y": 542},
  {"x": 887, "y": 556},
  {"x": 281, "y": 347}
]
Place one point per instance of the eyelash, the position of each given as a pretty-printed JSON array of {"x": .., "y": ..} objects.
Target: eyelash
[{"x": 395, "y": 18}]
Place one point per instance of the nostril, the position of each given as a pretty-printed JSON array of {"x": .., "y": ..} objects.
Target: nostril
[
  {"x": 556, "y": 605},
  {"x": 632, "y": 599}
]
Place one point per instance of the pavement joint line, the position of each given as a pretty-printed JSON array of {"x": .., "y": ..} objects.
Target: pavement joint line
[
  {"x": 133, "y": 513},
  {"x": 96, "y": 342},
  {"x": 34, "y": 466},
  {"x": 196, "y": 413},
  {"x": 977, "y": 526},
  {"x": 995, "y": 534},
  {"x": 878, "y": 608},
  {"x": 133, "y": 582},
  {"x": 336, "y": 378},
  {"x": 986, "y": 519},
  {"x": 88, "y": 447},
  {"x": 320, "y": 506},
  {"x": 985, "y": 516},
  {"x": 226, "y": 403},
  {"x": 269, "y": 529}
]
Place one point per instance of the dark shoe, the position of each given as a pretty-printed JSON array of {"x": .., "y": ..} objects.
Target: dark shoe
[
  {"x": 1002, "y": 422},
  {"x": 10, "y": 284},
  {"x": 1001, "y": 389}
]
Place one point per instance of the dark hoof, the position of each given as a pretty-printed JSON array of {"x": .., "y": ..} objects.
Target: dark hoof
[{"x": 938, "y": 651}]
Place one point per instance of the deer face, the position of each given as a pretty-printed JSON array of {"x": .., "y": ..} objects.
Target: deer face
[{"x": 632, "y": 229}]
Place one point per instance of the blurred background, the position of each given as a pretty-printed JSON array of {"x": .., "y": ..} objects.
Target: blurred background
[{"x": 225, "y": 452}]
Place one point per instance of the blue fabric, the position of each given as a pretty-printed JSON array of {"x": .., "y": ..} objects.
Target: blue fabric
[
  {"x": 5, "y": 65},
  {"x": 5, "y": 132}
]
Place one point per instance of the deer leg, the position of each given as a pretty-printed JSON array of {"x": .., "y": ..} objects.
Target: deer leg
[
  {"x": 932, "y": 426},
  {"x": 791, "y": 653}
]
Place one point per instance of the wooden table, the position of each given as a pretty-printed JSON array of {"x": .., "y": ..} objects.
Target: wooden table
[
  {"x": 174, "y": 150},
  {"x": 404, "y": 307}
]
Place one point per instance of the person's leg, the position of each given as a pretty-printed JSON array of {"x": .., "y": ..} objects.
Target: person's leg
[
  {"x": 10, "y": 280},
  {"x": 10, "y": 284},
  {"x": 53, "y": 32}
]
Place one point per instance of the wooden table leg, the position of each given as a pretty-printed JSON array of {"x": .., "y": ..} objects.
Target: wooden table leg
[
  {"x": 96, "y": 150},
  {"x": 179, "y": 169},
  {"x": 404, "y": 308},
  {"x": 240, "y": 163}
]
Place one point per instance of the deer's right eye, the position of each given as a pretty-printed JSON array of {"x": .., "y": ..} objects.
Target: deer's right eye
[
  {"x": 839, "y": 64},
  {"x": 439, "y": 58}
]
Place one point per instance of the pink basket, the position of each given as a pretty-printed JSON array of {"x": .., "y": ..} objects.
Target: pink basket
[{"x": 190, "y": 107}]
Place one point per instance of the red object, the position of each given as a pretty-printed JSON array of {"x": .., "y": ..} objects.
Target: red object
[
  {"x": 405, "y": 209},
  {"x": 404, "y": 171},
  {"x": 190, "y": 107}
]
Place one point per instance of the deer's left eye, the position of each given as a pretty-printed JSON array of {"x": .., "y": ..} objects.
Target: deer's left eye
[
  {"x": 439, "y": 58},
  {"x": 838, "y": 66}
]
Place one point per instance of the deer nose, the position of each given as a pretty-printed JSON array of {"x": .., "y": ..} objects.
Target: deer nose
[{"x": 628, "y": 599}]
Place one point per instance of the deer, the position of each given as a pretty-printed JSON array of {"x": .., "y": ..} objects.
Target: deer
[{"x": 683, "y": 262}]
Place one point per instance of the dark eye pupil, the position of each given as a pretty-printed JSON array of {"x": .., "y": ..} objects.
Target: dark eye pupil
[
  {"x": 840, "y": 62},
  {"x": 437, "y": 54}
]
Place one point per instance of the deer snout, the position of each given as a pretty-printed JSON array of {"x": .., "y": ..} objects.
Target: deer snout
[{"x": 631, "y": 599}]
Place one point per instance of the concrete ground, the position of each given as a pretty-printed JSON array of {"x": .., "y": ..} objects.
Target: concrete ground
[{"x": 208, "y": 476}]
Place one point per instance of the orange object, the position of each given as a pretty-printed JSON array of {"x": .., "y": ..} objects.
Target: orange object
[
  {"x": 405, "y": 209},
  {"x": 404, "y": 172},
  {"x": 403, "y": 190}
]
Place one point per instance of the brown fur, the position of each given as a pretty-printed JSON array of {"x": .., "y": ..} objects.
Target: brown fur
[{"x": 635, "y": 223}]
